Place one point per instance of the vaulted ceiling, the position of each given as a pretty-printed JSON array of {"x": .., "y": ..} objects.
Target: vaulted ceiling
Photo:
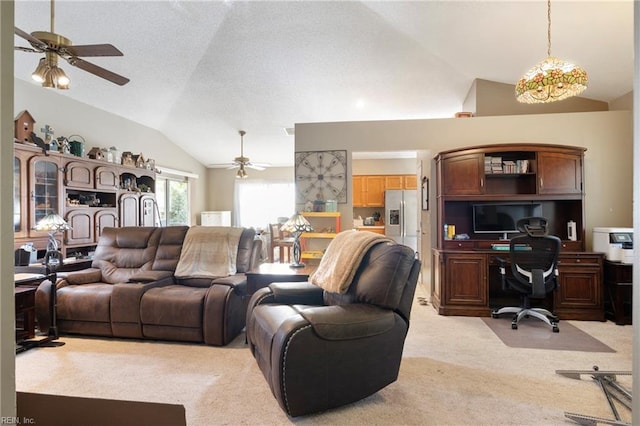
[{"x": 202, "y": 70}]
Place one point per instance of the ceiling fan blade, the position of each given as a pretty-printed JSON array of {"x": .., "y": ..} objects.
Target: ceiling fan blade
[
  {"x": 37, "y": 43},
  {"x": 105, "y": 49},
  {"x": 26, "y": 49},
  {"x": 99, "y": 71},
  {"x": 255, "y": 166}
]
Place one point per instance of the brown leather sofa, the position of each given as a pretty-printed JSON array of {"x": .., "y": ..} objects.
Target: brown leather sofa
[
  {"x": 131, "y": 291},
  {"x": 320, "y": 350}
]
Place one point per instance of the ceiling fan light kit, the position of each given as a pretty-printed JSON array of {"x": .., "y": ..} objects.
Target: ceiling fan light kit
[
  {"x": 49, "y": 75},
  {"x": 53, "y": 45},
  {"x": 552, "y": 79}
]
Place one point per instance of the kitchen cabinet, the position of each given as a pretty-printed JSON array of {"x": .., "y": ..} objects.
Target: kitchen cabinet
[
  {"x": 401, "y": 182},
  {"x": 368, "y": 190}
]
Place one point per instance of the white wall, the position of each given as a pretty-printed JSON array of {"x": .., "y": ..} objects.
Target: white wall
[
  {"x": 608, "y": 137},
  {"x": 396, "y": 166},
  {"x": 103, "y": 129}
]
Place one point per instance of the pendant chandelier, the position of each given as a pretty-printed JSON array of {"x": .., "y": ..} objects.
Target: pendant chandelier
[{"x": 552, "y": 79}]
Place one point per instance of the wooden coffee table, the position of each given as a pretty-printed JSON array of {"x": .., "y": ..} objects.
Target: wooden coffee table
[{"x": 268, "y": 273}]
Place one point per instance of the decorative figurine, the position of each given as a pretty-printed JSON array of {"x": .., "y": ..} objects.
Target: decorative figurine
[
  {"x": 39, "y": 142},
  {"x": 127, "y": 159},
  {"x": 65, "y": 147},
  {"x": 48, "y": 132}
]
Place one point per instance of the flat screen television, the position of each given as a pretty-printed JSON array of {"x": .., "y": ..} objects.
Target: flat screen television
[{"x": 501, "y": 218}]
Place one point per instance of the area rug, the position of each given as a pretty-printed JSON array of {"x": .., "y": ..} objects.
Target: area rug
[{"x": 535, "y": 334}]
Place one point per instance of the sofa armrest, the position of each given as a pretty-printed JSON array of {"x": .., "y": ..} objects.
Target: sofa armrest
[
  {"x": 85, "y": 276},
  {"x": 288, "y": 293},
  {"x": 234, "y": 280},
  {"x": 297, "y": 293},
  {"x": 149, "y": 276},
  {"x": 347, "y": 322}
]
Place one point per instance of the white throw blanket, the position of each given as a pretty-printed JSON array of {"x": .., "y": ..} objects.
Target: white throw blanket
[
  {"x": 209, "y": 252},
  {"x": 340, "y": 262}
]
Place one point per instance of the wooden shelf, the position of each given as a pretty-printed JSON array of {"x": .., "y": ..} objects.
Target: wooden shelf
[{"x": 318, "y": 235}]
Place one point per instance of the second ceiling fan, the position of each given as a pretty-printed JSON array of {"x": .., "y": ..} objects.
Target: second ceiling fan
[{"x": 242, "y": 162}]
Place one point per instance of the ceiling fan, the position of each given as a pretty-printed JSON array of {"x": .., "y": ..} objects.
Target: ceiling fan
[
  {"x": 242, "y": 163},
  {"x": 56, "y": 46}
]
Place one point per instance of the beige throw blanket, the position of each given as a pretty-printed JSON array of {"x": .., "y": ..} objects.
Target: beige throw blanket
[
  {"x": 342, "y": 258},
  {"x": 209, "y": 252}
]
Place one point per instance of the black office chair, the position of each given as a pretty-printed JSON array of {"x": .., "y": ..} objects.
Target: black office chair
[{"x": 534, "y": 271}]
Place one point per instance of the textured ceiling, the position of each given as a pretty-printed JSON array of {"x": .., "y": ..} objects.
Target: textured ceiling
[{"x": 202, "y": 70}]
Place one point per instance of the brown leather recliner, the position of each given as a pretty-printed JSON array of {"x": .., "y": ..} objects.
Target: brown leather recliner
[{"x": 320, "y": 350}]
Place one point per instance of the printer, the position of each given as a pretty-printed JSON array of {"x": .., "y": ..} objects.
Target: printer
[{"x": 615, "y": 243}]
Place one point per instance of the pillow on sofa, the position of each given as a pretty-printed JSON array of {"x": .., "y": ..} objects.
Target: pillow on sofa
[{"x": 209, "y": 252}]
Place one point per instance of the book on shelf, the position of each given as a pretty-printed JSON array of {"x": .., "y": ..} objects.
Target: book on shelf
[
  {"x": 496, "y": 164},
  {"x": 509, "y": 166}
]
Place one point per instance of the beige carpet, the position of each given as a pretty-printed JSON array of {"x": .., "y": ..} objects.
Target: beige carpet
[
  {"x": 455, "y": 371},
  {"x": 535, "y": 334}
]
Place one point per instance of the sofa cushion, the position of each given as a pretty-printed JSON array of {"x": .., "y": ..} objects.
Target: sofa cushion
[
  {"x": 86, "y": 302},
  {"x": 173, "y": 305},
  {"x": 169, "y": 248},
  {"x": 245, "y": 250},
  {"x": 381, "y": 278},
  {"x": 123, "y": 252}
]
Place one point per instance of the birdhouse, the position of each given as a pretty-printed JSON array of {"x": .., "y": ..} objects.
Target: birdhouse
[
  {"x": 96, "y": 154},
  {"x": 23, "y": 127},
  {"x": 140, "y": 161}
]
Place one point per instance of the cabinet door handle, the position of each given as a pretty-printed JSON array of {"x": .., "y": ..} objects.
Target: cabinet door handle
[
  {"x": 481, "y": 182},
  {"x": 33, "y": 196},
  {"x": 541, "y": 183}
]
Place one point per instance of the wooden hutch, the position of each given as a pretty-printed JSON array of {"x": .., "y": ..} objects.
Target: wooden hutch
[
  {"x": 465, "y": 273},
  {"x": 89, "y": 194}
]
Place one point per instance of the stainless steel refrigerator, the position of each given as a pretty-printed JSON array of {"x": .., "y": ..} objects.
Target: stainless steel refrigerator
[{"x": 401, "y": 216}]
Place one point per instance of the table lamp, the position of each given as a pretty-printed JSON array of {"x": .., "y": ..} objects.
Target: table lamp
[
  {"x": 296, "y": 225},
  {"x": 52, "y": 224}
]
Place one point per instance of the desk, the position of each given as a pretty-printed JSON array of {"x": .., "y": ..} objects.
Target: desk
[
  {"x": 618, "y": 282},
  {"x": 463, "y": 280},
  {"x": 268, "y": 273}
]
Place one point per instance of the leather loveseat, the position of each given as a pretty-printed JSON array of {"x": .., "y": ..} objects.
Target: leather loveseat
[
  {"x": 319, "y": 350},
  {"x": 131, "y": 290}
]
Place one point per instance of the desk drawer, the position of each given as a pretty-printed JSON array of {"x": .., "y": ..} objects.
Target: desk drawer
[
  {"x": 459, "y": 245},
  {"x": 580, "y": 259}
]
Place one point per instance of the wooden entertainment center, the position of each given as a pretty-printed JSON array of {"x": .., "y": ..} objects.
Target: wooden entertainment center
[
  {"x": 548, "y": 177},
  {"x": 89, "y": 194}
]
